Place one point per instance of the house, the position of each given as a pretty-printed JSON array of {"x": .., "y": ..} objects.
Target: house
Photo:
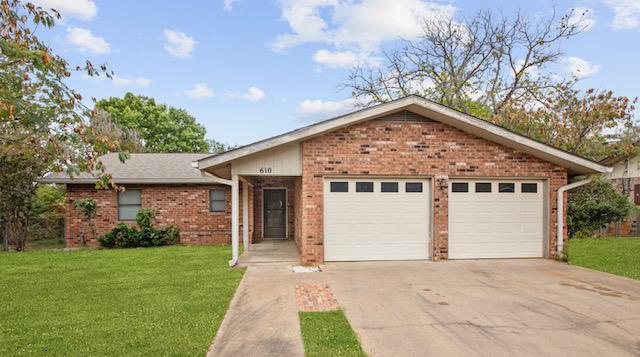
[
  {"x": 625, "y": 177},
  {"x": 407, "y": 179}
]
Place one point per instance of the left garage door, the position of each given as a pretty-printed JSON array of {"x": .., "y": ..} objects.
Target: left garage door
[{"x": 376, "y": 219}]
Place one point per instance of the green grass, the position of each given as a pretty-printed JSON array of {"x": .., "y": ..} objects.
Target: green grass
[
  {"x": 328, "y": 334},
  {"x": 620, "y": 256},
  {"x": 151, "y": 301}
]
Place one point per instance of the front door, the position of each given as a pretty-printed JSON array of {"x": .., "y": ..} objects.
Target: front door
[{"x": 275, "y": 213}]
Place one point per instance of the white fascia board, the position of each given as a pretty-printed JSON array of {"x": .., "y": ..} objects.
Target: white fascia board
[
  {"x": 306, "y": 132},
  {"x": 479, "y": 127}
]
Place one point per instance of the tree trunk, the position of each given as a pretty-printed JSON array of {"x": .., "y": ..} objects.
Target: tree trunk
[{"x": 5, "y": 238}]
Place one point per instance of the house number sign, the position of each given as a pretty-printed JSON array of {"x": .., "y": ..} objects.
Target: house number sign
[{"x": 265, "y": 170}]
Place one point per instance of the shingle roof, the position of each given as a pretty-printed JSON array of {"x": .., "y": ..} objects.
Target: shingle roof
[{"x": 144, "y": 168}]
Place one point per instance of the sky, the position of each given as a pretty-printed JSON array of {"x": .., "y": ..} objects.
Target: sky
[{"x": 252, "y": 69}]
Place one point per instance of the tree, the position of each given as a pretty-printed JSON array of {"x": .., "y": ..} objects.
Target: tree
[
  {"x": 161, "y": 128},
  {"x": 47, "y": 212},
  {"x": 487, "y": 60},
  {"x": 595, "y": 205},
  {"x": 89, "y": 209},
  {"x": 127, "y": 139},
  {"x": 594, "y": 124},
  {"x": 43, "y": 122},
  {"x": 218, "y": 147}
]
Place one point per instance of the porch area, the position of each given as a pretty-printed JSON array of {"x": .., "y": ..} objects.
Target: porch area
[
  {"x": 268, "y": 224},
  {"x": 270, "y": 252}
]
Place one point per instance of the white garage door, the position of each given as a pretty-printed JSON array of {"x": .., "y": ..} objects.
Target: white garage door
[
  {"x": 495, "y": 219},
  {"x": 376, "y": 219}
]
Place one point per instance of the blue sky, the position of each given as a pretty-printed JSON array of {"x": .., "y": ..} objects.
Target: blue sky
[{"x": 250, "y": 69}]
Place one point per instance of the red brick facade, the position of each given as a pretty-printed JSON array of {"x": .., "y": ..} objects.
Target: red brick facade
[
  {"x": 413, "y": 146},
  {"x": 184, "y": 206},
  {"x": 418, "y": 148}
]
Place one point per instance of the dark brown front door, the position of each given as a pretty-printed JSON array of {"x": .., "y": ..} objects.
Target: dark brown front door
[{"x": 275, "y": 213}]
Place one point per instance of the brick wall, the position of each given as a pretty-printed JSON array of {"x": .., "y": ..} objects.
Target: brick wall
[
  {"x": 184, "y": 206},
  {"x": 280, "y": 182},
  {"x": 415, "y": 146}
]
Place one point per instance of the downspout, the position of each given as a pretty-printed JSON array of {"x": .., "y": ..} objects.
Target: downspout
[{"x": 560, "y": 212}]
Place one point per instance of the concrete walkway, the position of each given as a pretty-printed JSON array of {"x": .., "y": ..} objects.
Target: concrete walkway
[{"x": 263, "y": 318}]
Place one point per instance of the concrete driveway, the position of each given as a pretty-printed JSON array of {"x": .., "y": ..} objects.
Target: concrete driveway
[
  {"x": 455, "y": 308},
  {"x": 488, "y": 308}
]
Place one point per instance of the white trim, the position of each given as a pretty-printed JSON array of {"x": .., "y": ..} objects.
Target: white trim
[
  {"x": 235, "y": 226},
  {"x": 245, "y": 215},
  {"x": 560, "y": 212},
  {"x": 478, "y": 127},
  {"x": 286, "y": 212}
]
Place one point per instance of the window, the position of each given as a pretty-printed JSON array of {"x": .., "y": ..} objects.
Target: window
[
  {"x": 217, "y": 200},
  {"x": 459, "y": 187},
  {"x": 339, "y": 187},
  {"x": 508, "y": 187},
  {"x": 389, "y": 187},
  {"x": 129, "y": 204},
  {"x": 364, "y": 186},
  {"x": 483, "y": 186},
  {"x": 530, "y": 187},
  {"x": 413, "y": 187}
]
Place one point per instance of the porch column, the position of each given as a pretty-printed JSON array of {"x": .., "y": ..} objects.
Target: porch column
[
  {"x": 245, "y": 215},
  {"x": 235, "y": 224}
]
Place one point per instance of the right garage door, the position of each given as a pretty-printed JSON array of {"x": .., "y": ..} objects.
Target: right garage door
[{"x": 495, "y": 219}]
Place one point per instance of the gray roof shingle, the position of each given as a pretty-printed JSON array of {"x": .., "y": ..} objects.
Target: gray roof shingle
[{"x": 143, "y": 168}]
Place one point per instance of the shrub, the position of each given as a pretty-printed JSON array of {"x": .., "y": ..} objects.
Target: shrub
[
  {"x": 595, "y": 205},
  {"x": 124, "y": 236}
]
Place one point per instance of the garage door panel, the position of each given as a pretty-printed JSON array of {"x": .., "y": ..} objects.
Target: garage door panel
[
  {"x": 495, "y": 224},
  {"x": 376, "y": 225}
]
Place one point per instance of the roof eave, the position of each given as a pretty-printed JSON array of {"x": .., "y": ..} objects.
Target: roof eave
[{"x": 81, "y": 181}]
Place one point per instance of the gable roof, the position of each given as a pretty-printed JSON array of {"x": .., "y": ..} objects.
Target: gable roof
[
  {"x": 143, "y": 168},
  {"x": 575, "y": 164}
]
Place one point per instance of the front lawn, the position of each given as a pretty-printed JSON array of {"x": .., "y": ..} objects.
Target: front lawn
[
  {"x": 328, "y": 334},
  {"x": 152, "y": 301},
  {"x": 619, "y": 256}
]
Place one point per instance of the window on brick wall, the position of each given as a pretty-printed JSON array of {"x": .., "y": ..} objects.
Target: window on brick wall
[
  {"x": 129, "y": 203},
  {"x": 217, "y": 200}
]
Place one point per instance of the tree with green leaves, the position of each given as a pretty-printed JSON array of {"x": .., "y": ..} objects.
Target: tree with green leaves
[
  {"x": 594, "y": 206},
  {"x": 218, "y": 147},
  {"x": 44, "y": 125},
  {"x": 161, "y": 128}
]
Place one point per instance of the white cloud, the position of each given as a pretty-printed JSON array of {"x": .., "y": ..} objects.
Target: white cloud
[
  {"x": 344, "y": 59},
  {"x": 179, "y": 44},
  {"x": 583, "y": 18},
  {"x": 579, "y": 67},
  {"x": 253, "y": 94},
  {"x": 199, "y": 90},
  {"x": 321, "y": 109},
  {"x": 80, "y": 9},
  {"x": 131, "y": 81},
  {"x": 626, "y": 13},
  {"x": 365, "y": 24},
  {"x": 227, "y": 5},
  {"x": 85, "y": 41}
]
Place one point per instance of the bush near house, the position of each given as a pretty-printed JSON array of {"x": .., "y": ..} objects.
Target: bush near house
[
  {"x": 124, "y": 236},
  {"x": 594, "y": 206}
]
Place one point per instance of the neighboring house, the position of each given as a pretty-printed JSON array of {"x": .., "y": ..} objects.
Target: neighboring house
[
  {"x": 408, "y": 179},
  {"x": 625, "y": 177}
]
